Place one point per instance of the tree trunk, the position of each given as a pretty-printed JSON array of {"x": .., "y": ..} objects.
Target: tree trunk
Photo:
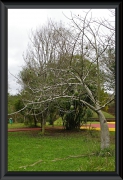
[
  {"x": 43, "y": 126},
  {"x": 105, "y": 138},
  {"x": 35, "y": 121},
  {"x": 15, "y": 119},
  {"x": 24, "y": 118},
  {"x": 41, "y": 122},
  {"x": 53, "y": 124}
]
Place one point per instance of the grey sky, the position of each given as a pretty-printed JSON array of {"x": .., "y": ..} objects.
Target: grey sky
[{"x": 20, "y": 23}]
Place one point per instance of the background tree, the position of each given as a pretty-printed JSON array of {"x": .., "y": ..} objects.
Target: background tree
[{"x": 12, "y": 102}]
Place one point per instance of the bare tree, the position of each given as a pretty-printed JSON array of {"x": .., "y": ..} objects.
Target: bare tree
[{"x": 94, "y": 40}]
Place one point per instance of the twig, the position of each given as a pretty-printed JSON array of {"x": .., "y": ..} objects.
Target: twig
[{"x": 59, "y": 159}]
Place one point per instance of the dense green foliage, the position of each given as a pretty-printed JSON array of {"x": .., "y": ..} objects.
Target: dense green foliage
[
  {"x": 73, "y": 114},
  {"x": 13, "y": 106}
]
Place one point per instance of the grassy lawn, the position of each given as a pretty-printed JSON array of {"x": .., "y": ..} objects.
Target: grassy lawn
[
  {"x": 20, "y": 125},
  {"x": 16, "y": 125},
  {"x": 59, "y": 151},
  {"x": 107, "y": 115}
]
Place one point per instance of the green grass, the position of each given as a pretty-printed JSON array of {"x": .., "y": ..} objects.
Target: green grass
[
  {"x": 30, "y": 151},
  {"x": 16, "y": 125},
  {"x": 107, "y": 115},
  {"x": 21, "y": 125}
]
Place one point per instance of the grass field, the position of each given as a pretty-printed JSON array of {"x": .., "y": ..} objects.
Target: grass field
[
  {"x": 16, "y": 125},
  {"x": 107, "y": 115},
  {"x": 59, "y": 150}
]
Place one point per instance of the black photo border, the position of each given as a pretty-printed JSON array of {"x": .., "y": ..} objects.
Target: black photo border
[{"x": 4, "y": 174}]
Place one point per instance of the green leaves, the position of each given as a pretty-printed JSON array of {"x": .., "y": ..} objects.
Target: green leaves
[
  {"x": 76, "y": 93},
  {"x": 72, "y": 107}
]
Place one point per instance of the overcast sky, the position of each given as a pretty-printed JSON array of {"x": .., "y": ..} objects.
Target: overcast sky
[{"x": 20, "y": 24}]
